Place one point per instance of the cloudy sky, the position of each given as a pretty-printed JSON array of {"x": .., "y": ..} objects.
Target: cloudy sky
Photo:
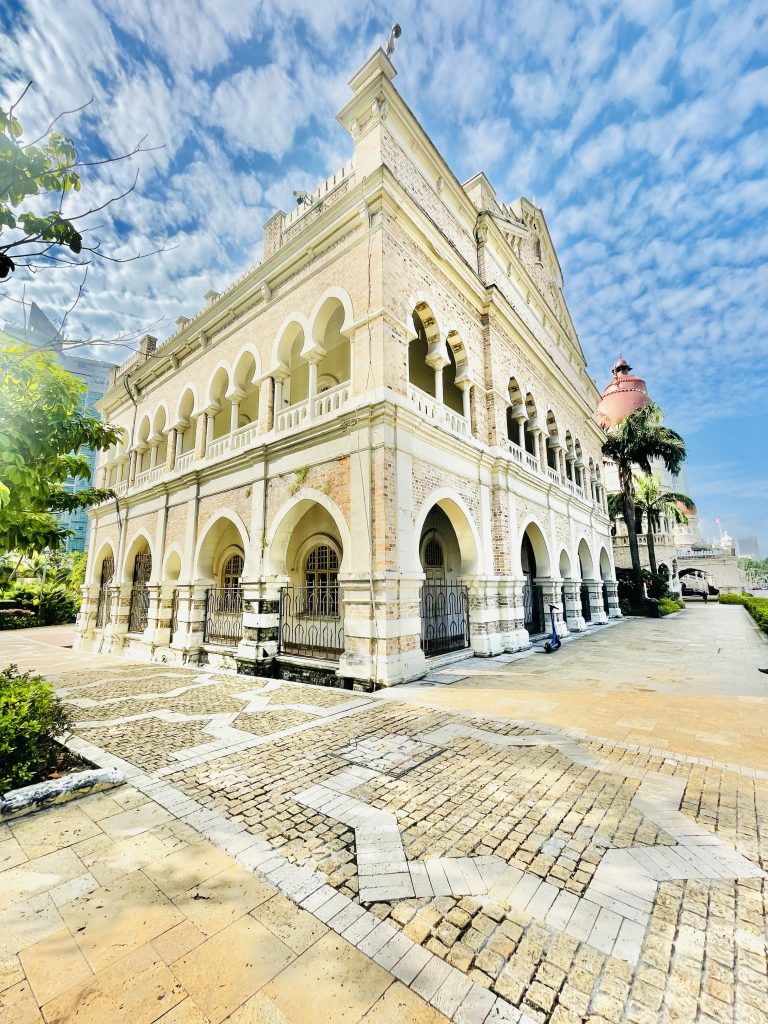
[{"x": 640, "y": 128}]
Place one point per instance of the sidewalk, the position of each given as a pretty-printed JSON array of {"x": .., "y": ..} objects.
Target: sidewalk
[{"x": 111, "y": 910}]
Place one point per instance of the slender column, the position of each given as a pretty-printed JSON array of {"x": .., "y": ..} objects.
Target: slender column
[
  {"x": 170, "y": 455},
  {"x": 278, "y": 400},
  {"x": 466, "y": 389},
  {"x": 561, "y": 463},
  {"x": 439, "y": 385},
  {"x": 542, "y": 448},
  {"x": 153, "y": 446},
  {"x": 209, "y": 425},
  {"x": 200, "y": 431},
  {"x": 132, "y": 467},
  {"x": 266, "y": 406},
  {"x": 312, "y": 365},
  {"x": 234, "y": 414}
]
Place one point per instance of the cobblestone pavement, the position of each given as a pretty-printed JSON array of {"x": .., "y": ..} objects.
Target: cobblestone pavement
[{"x": 501, "y": 869}]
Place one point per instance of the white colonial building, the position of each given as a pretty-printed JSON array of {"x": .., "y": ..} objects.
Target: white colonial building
[{"x": 374, "y": 452}]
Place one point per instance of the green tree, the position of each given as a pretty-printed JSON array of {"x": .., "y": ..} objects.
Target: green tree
[
  {"x": 30, "y": 170},
  {"x": 653, "y": 501},
  {"x": 43, "y": 427},
  {"x": 640, "y": 437}
]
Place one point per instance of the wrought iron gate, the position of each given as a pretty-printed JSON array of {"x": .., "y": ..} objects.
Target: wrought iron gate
[
  {"x": 533, "y": 608},
  {"x": 606, "y": 606},
  {"x": 223, "y": 616},
  {"x": 174, "y": 612},
  {"x": 444, "y": 617},
  {"x": 103, "y": 610},
  {"x": 586, "y": 608},
  {"x": 311, "y": 622},
  {"x": 138, "y": 614}
]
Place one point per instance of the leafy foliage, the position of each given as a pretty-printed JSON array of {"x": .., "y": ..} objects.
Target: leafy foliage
[
  {"x": 28, "y": 170},
  {"x": 43, "y": 428},
  {"x": 668, "y": 605},
  {"x": 17, "y": 618},
  {"x": 46, "y": 585},
  {"x": 31, "y": 716},
  {"x": 653, "y": 501}
]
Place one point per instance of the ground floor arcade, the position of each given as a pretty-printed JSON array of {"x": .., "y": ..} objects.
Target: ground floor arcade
[{"x": 301, "y": 603}]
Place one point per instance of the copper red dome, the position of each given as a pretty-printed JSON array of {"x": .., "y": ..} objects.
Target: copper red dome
[{"x": 624, "y": 395}]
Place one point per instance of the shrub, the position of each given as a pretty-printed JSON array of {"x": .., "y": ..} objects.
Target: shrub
[
  {"x": 31, "y": 716},
  {"x": 625, "y": 607},
  {"x": 17, "y": 618},
  {"x": 668, "y": 605},
  {"x": 731, "y": 599}
]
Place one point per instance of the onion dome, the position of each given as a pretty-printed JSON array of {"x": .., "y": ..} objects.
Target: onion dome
[{"x": 624, "y": 395}]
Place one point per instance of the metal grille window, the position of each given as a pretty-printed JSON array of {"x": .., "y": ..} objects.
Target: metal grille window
[
  {"x": 433, "y": 553},
  {"x": 103, "y": 611},
  {"x": 321, "y": 578},
  {"x": 233, "y": 570},
  {"x": 138, "y": 614}
]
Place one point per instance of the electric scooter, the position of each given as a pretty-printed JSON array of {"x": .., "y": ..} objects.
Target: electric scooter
[{"x": 555, "y": 643}]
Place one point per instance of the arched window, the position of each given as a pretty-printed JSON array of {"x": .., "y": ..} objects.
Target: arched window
[
  {"x": 321, "y": 577},
  {"x": 434, "y": 560},
  {"x": 232, "y": 571}
]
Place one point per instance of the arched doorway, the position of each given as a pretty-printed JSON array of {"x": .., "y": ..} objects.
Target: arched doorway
[
  {"x": 444, "y": 600},
  {"x": 138, "y": 611},
  {"x": 103, "y": 605},
  {"x": 221, "y": 561},
  {"x": 586, "y": 567},
  {"x": 535, "y": 564},
  {"x": 307, "y": 550}
]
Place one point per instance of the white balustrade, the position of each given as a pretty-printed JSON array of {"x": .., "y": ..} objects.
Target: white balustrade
[
  {"x": 292, "y": 417},
  {"x": 553, "y": 475},
  {"x": 516, "y": 452},
  {"x": 149, "y": 476},
  {"x": 244, "y": 437},
  {"x": 433, "y": 410},
  {"x": 531, "y": 462},
  {"x": 119, "y": 488},
  {"x": 332, "y": 400},
  {"x": 183, "y": 462},
  {"x": 219, "y": 446}
]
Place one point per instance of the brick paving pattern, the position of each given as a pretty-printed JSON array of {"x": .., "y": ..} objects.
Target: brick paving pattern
[{"x": 319, "y": 788}]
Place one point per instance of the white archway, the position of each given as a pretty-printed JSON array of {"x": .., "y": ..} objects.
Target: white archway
[
  {"x": 462, "y": 522},
  {"x": 586, "y": 561},
  {"x": 565, "y": 565},
  {"x": 225, "y": 529},
  {"x": 287, "y": 519},
  {"x": 140, "y": 541},
  {"x": 606, "y": 569},
  {"x": 534, "y": 531}
]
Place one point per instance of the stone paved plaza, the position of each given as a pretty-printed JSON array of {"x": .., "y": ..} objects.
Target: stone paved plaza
[{"x": 509, "y": 840}]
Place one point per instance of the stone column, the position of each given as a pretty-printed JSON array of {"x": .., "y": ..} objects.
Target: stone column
[
  {"x": 261, "y": 605},
  {"x": 614, "y": 611},
  {"x": 514, "y": 636},
  {"x": 541, "y": 446},
  {"x": 485, "y": 631},
  {"x": 382, "y": 644},
  {"x": 466, "y": 400},
  {"x": 561, "y": 464},
  {"x": 552, "y": 596},
  {"x": 439, "y": 385},
  {"x": 201, "y": 426},
  {"x": 153, "y": 634},
  {"x": 596, "y": 600},
  {"x": 234, "y": 412},
  {"x": 278, "y": 401},
  {"x": 154, "y": 443},
  {"x": 210, "y": 422},
  {"x": 170, "y": 455},
  {"x": 267, "y": 405},
  {"x": 132, "y": 458},
  {"x": 312, "y": 359},
  {"x": 575, "y": 620}
]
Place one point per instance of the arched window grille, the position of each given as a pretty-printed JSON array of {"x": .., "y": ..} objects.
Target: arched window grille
[
  {"x": 321, "y": 578},
  {"x": 232, "y": 572}
]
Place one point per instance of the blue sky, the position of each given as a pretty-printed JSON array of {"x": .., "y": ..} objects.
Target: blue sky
[{"x": 640, "y": 128}]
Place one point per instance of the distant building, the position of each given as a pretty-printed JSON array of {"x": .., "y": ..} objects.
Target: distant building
[
  {"x": 41, "y": 333},
  {"x": 748, "y": 547}
]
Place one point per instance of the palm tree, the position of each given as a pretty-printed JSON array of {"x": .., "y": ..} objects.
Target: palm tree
[
  {"x": 653, "y": 501},
  {"x": 639, "y": 438}
]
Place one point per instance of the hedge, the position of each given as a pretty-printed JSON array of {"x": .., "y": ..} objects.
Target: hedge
[{"x": 668, "y": 605}]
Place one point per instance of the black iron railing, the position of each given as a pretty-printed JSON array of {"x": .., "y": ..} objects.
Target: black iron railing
[
  {"x": 444, "y": 617},
  {"x": 174, "y": 612},
  {"x": 103, "y": 607},
  {"x": 223, "y": 616},
  {"x": 138, "y": 613},
  {"x": 311, "y": 623},
  {"x": 563, "y": 605},
  {"x": 533, "y": 608},
  {"x": 586, "y": 608}
]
